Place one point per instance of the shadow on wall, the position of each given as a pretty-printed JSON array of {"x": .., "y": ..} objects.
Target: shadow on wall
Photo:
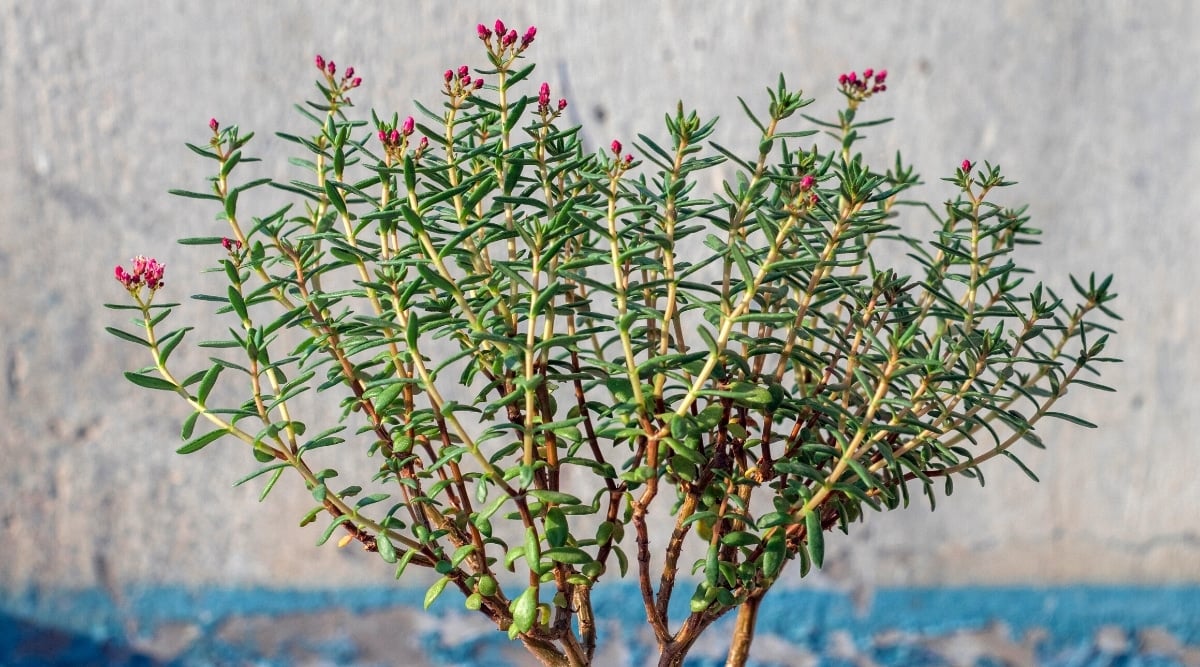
[{"x": 27, "y": 644}]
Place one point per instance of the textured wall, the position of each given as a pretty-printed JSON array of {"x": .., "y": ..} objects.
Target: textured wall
[{"x": 1091, "y": 106}]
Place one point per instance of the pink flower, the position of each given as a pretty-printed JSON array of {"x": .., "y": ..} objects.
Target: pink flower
[
  {"x": 424, "y": 144},
  {"x": 628, "y": 160},
  {"x": 966, "y": 165},
  {"x": 406, "y": 128},
  {"x": 449, "y": 75},
  {"x": 331, "y": 68},
  {"x": 146, "y": 271},
  {"x": 394, "y": 137},
  {"x": 463, "y": 71},
  {"x": 478, "y": 84},
  {"x": 510, "y": 38},
  {"x": 868, "y": 73},
  {"x": 213, "y": 124},
  {"x": 231, "y": 244},
  {"x": 356, "y": 82},
  {"x": 807, "y": 183},
  {"x": 527, "y": 38},
  {"x": 383, "y": 136},
  {"x": 544, "y": 95},
  {"x": 881, "y": 76},
  {"x": 320, "y": 62},
  {"x": 500, "y": 29},
  {"x": 349, "y": 73},
  {"x": 616, "y": 147},
  {"x": 562, "y": 104},
  {"x": 483, "y": 32}
]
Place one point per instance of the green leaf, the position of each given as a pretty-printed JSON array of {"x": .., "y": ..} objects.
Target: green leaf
[
  {"x": 816, "y": 538},
  {"x": 740, "y": 538},
  {"x": 386, "y": 551},
  {"x": 568, "y": 555},
  {"x": 189, "y": 425},
  {"x": 774, "y": 555},
  {"x": 1071, "y": 418},
  {"x": 149, "y": 381},
  {"x": 124, "y": 335},
  {"x": 435, "y": 590},
  {"x": 207, "y": 382},
  {"x": 556, "y": 497},
  {"x": 201, "y": 442},
  {"x": 524, "y": 609},
  {"x": 557, "y": 529}
]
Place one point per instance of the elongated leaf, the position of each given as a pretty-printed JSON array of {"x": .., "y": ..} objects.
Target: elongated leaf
[
  {"x": 149, "y": 381},
  {"x": 124, "y": 335},
  {"x": 816, "y": 538},
  {"x": 201, "y": 442},
  {"x": 435, "y": 590}
]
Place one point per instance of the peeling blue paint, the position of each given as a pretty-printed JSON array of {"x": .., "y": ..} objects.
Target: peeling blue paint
[{"x": 57, "y": 627}]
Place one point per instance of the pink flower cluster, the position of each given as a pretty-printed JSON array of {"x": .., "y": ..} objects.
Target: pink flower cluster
[
  {"x": 231, "y": 246},
  {"x": 329, "y": 68},
  {"x": 858, "y": 88},
  {"x": 464, "y": 79},
  {"x": 506, "y": 37},
  {"x": 865, "y": 84},
  {"x": 615, "y": 147},
  {"x": 146, "y": 271},
  {"x": 544, "y": 101}
]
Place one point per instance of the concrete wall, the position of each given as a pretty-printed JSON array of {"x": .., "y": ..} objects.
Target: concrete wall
[{"x": 1091, "y": 106}]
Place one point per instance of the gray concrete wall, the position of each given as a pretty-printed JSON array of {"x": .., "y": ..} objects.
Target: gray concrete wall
[{"x": 1092, "y": 106}]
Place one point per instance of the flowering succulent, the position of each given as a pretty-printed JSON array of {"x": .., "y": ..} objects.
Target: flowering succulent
[{"x": 540, "y": 341}]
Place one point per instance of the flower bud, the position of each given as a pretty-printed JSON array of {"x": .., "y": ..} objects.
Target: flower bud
[
  {"x": 500, "y": 29},
  {"x": 424, "y": 144},
  {"x": 880, "y": 76},
  {"x": 463, "y": 71},
  {"x": 394, "y": 138},
  {"x": 510, "y": 38},
  {"x": 807, "y": 183},
  {"x": 527, "y": 38},
  {"x": 483, "y": 32},
  {"x": 966, "y": 165},
  {"x": 331, "y": 68},
  {"x": 868, "y": 73},
  {"x": 449, "y": 75},
  {"x": 406, "y": 128},
  {"x": 320, "y": 63},
  {"x": 349, "y": 73},
  {"x": 478, "y": 83},
  {"x": 213, "y": 124},
  {"x": 356, "y": 82},
  {"x": 562, "y": 104},
  {"x": 616, "y": 147},
  {"x": 544, "y": 95}
]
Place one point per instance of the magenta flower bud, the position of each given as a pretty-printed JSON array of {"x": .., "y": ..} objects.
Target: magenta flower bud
[
  {"x": 349, "y": 73},
  {"x": 449, "y": 75},
  {"x": 527, "y": 38},
  {"x": 880, "y": 76},
  {"x": 510, "y": 38},
  {"x": 500, "y": 29},
  {"x": 544, "y": 95},
  {"x": 478, "y": 84},
  {"x": 843, "y": 79},
  {"x": 807, "y": 183},
  {"x": 562, "y": 104},
  {"x": 383, "y": 136},
  {"x": 406, "y": 128},
  {"x": 331, "y": 68},
  {"x": 424, "y": 144},
  {"x": 394, "y": 137},
  {"x": 966, "y": 165},
  {"x": 356, "y": 82},
  {"x": 483, "y": 32},
  {"x": 213, "y": 124},
  {"x": 320, "y": 63},
  {"x": 616, "y": 147},
  {"x": 868, "y": 73},
  {"x": 628, "y": 160},
  {"x": 463, "y": 71}
]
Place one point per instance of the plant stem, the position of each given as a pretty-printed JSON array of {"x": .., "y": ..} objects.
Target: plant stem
[{"x": 743, "y": 631}]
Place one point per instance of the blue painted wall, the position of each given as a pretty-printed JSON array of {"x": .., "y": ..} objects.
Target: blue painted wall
[{"x": 912, "y": 626}]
